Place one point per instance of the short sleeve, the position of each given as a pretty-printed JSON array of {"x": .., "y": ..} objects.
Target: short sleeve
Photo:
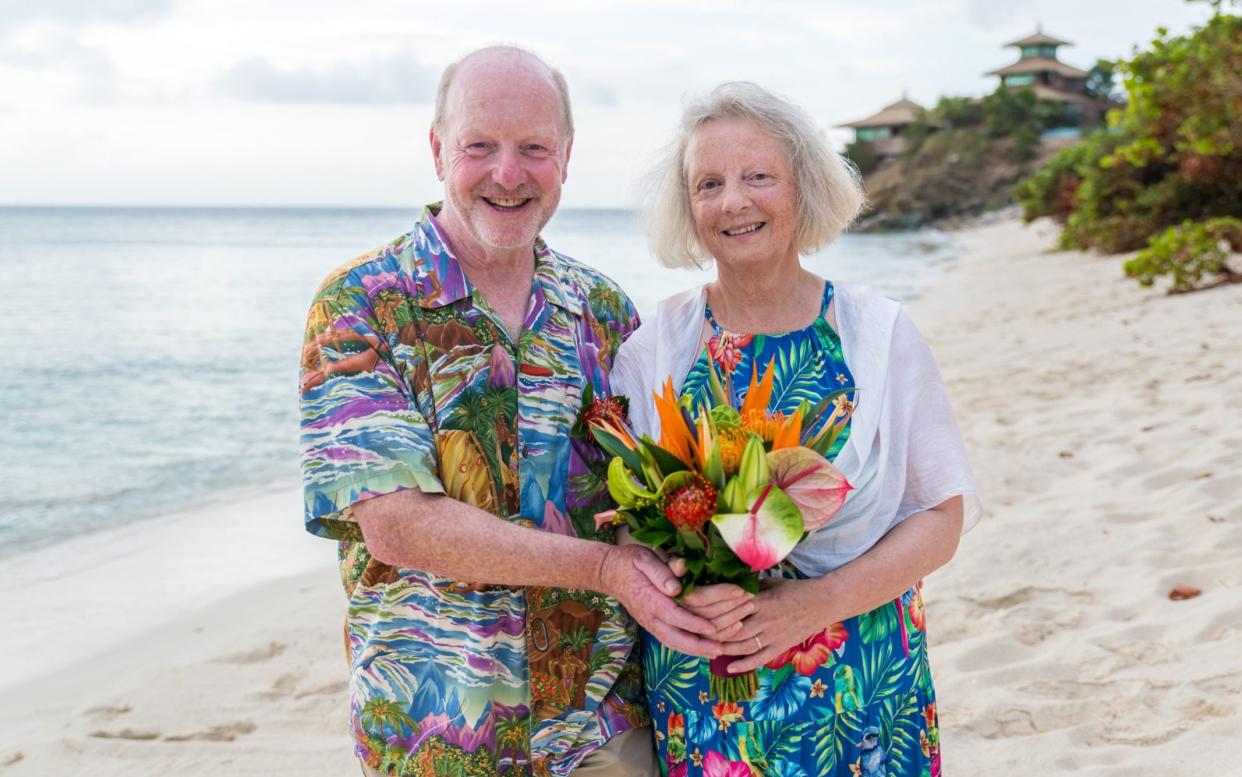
[
  {"x": 362, "y": 434},
  {"x": 925, "y": 429}
]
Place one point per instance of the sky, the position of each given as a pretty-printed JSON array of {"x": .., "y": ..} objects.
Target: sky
[{"x": 318, "y": 103}]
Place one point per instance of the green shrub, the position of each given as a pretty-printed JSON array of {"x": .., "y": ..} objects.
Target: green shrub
[
  {"x": 1189, "y": 252},
  {"x": 1173, "y": 154},
  {"x": 863, "y": 156}
]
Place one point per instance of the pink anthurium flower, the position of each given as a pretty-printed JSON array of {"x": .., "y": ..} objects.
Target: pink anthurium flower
[
  {"x": 716, "y": 765},
  {"x": 766, "y": 532},
  {"x": 814, "y": 485}
]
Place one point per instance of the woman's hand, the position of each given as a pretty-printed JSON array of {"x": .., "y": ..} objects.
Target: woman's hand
[
  {"x": 724, "y": 604},
  {"x": 786, "y": 613}
]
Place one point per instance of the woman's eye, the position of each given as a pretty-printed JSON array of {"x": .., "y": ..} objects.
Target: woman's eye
[{"x": 708, "y": 186}]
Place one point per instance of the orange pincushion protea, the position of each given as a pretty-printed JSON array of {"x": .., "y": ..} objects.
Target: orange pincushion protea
[
  {"x": 688, "y": 507},
  {"x": 732, "y": 441},
  {"x": 766, "y": 425}
]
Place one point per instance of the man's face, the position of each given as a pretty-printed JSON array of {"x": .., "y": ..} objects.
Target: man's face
[{"x": 503, "y": 154}]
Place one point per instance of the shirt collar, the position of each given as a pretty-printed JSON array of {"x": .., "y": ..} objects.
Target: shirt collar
[{"x": 442, "y": 281}]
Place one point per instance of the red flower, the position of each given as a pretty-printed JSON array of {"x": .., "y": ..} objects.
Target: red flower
[
  {"x": 917, "y": 616},
  {"x": 691, "y": 505},
  {"x": 810, "y": 654},
  {"x": 726, "y": 349},
  {"x": 611, "y": 410},
  {"x": 676, "y": 723},
  {"x": 727, "y": 713}
]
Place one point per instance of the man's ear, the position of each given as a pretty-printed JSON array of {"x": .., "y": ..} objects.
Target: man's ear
[
  {"x": 569, "y": 147},
  {"x": 436, "y": 148}
]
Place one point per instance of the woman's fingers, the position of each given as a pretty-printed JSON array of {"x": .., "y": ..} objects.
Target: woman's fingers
[
  {"x": 708, "y": 595},
  {"x": 719, "y": 609}
]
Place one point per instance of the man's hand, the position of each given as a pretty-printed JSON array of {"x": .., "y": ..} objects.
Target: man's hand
[{"x": 645, "y": 586}]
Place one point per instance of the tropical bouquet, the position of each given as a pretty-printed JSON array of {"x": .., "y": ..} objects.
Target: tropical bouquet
[{"x": 731, "y": 491}]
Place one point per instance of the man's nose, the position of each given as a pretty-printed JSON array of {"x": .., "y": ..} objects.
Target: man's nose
[{"x": 508, "y": 172}]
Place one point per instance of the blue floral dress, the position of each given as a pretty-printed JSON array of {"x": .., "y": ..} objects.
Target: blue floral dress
[{"x": 854, "y": 700}]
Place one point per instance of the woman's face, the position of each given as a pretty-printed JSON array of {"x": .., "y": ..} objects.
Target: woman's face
[{"x": 742, "y": 193}]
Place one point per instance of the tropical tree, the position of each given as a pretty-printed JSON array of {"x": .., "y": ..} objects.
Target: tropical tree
[
  {"x": 381, "y": 713},
  {"x": 1172, "y": 155}
]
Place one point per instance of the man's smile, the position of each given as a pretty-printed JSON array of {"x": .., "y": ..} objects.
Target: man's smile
[{"x": 507, "y": 203}]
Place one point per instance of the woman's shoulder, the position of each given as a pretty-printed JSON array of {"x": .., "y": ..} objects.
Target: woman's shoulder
[
  {"x": 671, "y": 314},
  {"x": 863, "y": 310}
]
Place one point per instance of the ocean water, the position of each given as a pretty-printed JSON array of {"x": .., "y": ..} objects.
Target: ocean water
[{"x": 153, "y": 354}]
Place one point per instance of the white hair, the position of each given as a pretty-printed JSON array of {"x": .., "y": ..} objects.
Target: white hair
[
  {"x": 446, "y": 81},
  {"x": 829, "y": 188}
]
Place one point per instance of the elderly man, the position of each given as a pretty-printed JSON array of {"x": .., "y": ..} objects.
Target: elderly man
[{"x": 441, "y": 377}]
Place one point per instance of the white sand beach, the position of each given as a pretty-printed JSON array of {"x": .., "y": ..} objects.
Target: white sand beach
[{"x": 1105, "y": 426}]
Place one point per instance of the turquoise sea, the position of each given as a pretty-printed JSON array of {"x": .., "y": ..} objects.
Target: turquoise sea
[{"x": 154, "y": 351}]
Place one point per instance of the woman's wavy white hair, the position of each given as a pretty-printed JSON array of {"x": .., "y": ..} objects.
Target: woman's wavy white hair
[{"x": 830, "y": 194}]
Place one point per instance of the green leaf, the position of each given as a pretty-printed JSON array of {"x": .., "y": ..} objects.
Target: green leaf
[
  {"x": 878, "y": 624},
  {"x": 664, "y": 461},
  {"x": 691, "y": 539},
  {"x": 654, "y": 536},
  {"x": 671, "y": 674},
  {"x": 615, "y": 447}
]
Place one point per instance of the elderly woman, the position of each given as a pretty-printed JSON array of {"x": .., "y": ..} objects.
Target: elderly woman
[{"x": 837, "y": 635}]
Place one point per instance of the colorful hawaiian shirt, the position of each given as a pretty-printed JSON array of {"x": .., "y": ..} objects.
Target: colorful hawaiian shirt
[{"x": 410, "y": 380}]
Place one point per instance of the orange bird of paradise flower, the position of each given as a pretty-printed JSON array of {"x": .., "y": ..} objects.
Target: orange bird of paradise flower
[{"x": 677, "y": 435}]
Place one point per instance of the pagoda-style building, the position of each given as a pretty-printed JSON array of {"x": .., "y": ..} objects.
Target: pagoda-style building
[
  {"x": 1039, "y": 70},
  {"x": 882, "y": 131}
]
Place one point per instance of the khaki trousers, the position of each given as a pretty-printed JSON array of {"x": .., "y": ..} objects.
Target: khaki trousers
[{"x": 628, "y": 754}]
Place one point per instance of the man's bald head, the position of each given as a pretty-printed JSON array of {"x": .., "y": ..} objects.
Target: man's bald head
[{"x": 501, "y": 59}]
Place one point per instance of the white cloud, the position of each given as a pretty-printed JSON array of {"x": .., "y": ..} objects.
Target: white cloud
[
  {"x": 388, "y": 81},
  {"x": 14, "y": 13},
  {"x": 231, "y": 101}
]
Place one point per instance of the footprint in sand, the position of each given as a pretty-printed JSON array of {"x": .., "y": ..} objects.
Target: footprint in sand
[
  {"x": 253, "y": 656},
  {"x": 225, "y": 733},
  {"x": 285, "y": 685},
  {"x": 331, "y": 689},
  {"x": 108, "y": 712},
  {"x": 139, "y": 735}
]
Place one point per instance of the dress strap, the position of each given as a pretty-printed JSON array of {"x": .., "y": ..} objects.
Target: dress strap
[{"x": 823, "y": 308}]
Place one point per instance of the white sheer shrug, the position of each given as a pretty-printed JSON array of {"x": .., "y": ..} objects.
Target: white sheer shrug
[{"x": 904, "y": 453}]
